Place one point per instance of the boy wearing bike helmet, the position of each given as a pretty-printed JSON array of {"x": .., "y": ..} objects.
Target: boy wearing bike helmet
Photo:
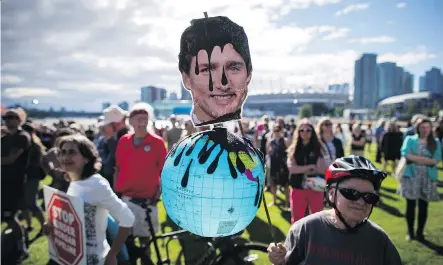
[{"x": 342, "y": 235}]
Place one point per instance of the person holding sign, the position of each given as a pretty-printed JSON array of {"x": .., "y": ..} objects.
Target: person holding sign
[
  {"x": 80, "y": 160},
  {"x": 216, "y": 67}
]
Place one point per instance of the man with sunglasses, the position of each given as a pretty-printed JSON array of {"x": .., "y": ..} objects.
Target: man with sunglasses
[
  {"x": 15, "y": 157},
  {"x": 342, "y": 235}
]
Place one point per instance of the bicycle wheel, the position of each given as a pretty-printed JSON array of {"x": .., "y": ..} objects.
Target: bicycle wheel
[{"x": 246, "y": 254}]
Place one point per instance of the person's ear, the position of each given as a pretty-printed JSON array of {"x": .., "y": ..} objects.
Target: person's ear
[
  {"x": 248, "y": 80},
  {"x": 331, "y": 194},
  {"x": 186, "y": 81}
]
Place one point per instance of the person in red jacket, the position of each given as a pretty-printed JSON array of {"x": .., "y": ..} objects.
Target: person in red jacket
[{"x": 140, "y": 157}]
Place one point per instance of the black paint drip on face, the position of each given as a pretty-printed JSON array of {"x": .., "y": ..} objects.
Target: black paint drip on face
[
  {"x": 227, "y": 141},
  {"x": 224, "y": 80},
  {"x": 209, "y": 47}
]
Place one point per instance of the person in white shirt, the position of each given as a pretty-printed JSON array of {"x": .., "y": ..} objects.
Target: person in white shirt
[{"x": 80, "y": 160}]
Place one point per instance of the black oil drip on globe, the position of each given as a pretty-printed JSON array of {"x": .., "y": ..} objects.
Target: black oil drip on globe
[{"x": 228, "y": 142}]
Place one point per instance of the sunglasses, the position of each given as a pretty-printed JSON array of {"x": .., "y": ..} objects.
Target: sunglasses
[
  {"x": 355, "y": 195},
  {"x": 327, "y": 124},
  {"x": 305, "y": 130},
  {"x": 278, "y": 130}
]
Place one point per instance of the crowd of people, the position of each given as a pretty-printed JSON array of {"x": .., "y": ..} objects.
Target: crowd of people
[{"x": 117, "y": 163}]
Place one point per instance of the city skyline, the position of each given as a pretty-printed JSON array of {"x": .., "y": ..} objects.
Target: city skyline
[{"x": 116, "y": 47}]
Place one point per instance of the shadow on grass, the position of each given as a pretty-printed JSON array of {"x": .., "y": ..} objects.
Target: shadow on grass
[
  {"x": 387, "y": 196},
  {"x": 37, "y": 236},
  {"x": 259, "y": 232},
  {"x": 439, "y": 183},
  {"x": 389, "y": 209},
  {"x": 438, "y": 249},
  {"x": 287, "y": 215}
]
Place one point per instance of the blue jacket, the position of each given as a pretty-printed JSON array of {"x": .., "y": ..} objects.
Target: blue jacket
[{"x": 410, "y": 146}]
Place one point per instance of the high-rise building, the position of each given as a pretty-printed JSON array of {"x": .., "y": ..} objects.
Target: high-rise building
[
  {"x": 162, "y": 94},
  {"x": 150, "y": 94},
  {"x": 185, "y": 94},
  {"x": 105, "y": 105},
  {"x": 173, "y": 96},
  {"x": 146, "y": 94},
  {"x": 434, "y": 80},
  {"x": 422, "y": 83},
  {"x": 399, "y": 81},
  {"x": 408, "y": 83},
  {"x": 124, "y": 105},
  {"x": 386, "y": 80},
  {"x": 365, "y": 81}
]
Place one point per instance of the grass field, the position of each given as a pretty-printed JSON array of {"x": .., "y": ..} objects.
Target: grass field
[{"x": 389, "y": 215}]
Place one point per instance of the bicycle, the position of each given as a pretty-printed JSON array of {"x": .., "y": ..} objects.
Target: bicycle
[{"x": 219, "y": 251}]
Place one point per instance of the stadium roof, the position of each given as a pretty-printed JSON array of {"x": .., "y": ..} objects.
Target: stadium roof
[{"x": 404, "y": 97}]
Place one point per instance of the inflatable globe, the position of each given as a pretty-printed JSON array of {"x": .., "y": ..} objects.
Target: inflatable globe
[{"x": 212, "y": 183}]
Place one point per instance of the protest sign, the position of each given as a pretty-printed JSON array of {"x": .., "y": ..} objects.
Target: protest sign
[{"x": 67, "y": 242}]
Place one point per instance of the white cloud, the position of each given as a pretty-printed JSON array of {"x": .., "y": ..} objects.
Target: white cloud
[
  {"x": 401, "y": 5},
  {"x": 352, "y": 8},
  {"x": 407, "y": 58},
  {"x": 302, "y": 4},
  {"x": 369, "y": 40},
  {"x": 10, "y": 80},
  {"x": 22, "y": 92},
  {"x": 78, "y": 53},
  {"x": 334, "y": 33}
]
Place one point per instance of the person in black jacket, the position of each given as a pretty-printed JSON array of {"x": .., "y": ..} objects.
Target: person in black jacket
[
  {"x": 332, "y": 146},
  {"x": 391, "y": 143}
]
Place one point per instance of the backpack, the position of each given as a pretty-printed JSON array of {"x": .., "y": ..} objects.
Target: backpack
[{"x": 12, "y": 248}]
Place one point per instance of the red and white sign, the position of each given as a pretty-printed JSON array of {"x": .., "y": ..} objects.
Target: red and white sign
[{"x": 67, "y": 242}]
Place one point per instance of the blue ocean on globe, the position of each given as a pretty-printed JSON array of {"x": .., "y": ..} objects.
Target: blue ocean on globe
[{"x": 212, "y": 183}]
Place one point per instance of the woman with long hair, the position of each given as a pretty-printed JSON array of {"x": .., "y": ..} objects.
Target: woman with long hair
[
  {"x": 80, "y": 160},
  {"x": 332, "y": 146},
  {"x": 52, "y": 162},
  {"x": 305, "y": 160},
  {"x": 276, "y": 148},
  {"x": 391, "y": 142},
  {"x": 419, "y": 182}
]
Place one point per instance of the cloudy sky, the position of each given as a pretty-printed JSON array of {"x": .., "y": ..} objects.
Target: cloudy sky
[{"x": 80, "y": 53}]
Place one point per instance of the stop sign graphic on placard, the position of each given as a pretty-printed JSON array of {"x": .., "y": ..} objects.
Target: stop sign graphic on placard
[{"x": 67, "y": 235}]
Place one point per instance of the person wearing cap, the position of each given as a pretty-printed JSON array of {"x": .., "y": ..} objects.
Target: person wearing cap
[
  {"x": 140, "y": 158},
  {"x": 115, "y": 117},
  {"x": 114, "y": 127},
  {"x": 15, "y": 155},
  {"x": 173, "y": 134},
  {"x": 343, "y": 234}
]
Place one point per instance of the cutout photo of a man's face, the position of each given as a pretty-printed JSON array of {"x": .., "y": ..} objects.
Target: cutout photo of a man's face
[{"x": 215, "y": 65}]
